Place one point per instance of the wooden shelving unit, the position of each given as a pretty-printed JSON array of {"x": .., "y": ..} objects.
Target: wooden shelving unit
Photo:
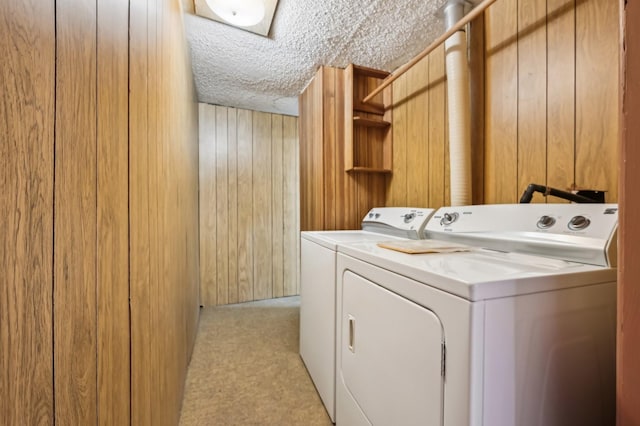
[{"x": 368, "y": 136}]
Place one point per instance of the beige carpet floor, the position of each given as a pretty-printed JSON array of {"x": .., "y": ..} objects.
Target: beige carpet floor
[{"x": 246, "y": 369}]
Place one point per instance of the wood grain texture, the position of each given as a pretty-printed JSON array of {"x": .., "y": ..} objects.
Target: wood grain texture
[
  {"x": 532, "y": 99},
  {"x": 277, "y": 206},
  {"x": 397, "y": 182},
  {"x": 222, "y": 213},
  {"x": 232, "y": 163},
  {"x": 75, "y": 257},
  {"x": 291, "y": 206},
  {"x": 435, "y": 129},
  {"x": 262, "y": 202},
  {"x": 208, "y": 205},
  {"x": 245, "y": 206},
  {"x": 418, "y": 134},
  {"x": 139, "y": 203},
  {"x": 27, "y": 84},
  {"x": 597, "y": 96},
  {"x": 330, "y": 169},
  {"x": 475, "y": 40},
  {"x": 255, "y": 216},
  {"x": 164, "y": 155},
  {"x": 628, "y": 380},
  {"x": 501, "y": 103},
  {"x": 113, "y": 213},
  {"x": 560, "y": 93}
]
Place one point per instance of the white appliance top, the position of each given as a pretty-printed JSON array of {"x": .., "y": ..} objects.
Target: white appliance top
[
  {"x": 585, "y": 233},
  {"x": 514, "y": 249},
  {"x": 481, "y": 274},
  {"x": 379, "y": 224}
]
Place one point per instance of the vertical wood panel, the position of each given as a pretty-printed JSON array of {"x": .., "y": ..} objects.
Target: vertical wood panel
[
  {"x": 597, "y": 96},
  {"x": 329, "y": 147},
  {"x": 476, "y": 41},
  {"x": 221, "y": 213},
  {"x": 261, "y": 229},
  {"x": 418, "y": 133},
  {"x": 262, "y": 267},
  {"x": 343, "y": 181},
  {"x": 26, "y": 211},
  {"x": 277, "y": 212},
  {"x": 245, "y": 206},
  {"x": 208, "y": 204},
  {"x": 113, "y": 213},
  {"x": 138, "y": 212},
  {"x": 560, "y": 93},
  {"x": 291, "y": 204},
  {"x": 532, "y": 100},
  {"x": 436, "y": 130},
  {"x": 397, "y": 182},
  {"x": 232, "y": 162},
  {"x": 75, "y": 327},
  {"x": 628, "y": 341},
  {"x": 501, "y": 103}
]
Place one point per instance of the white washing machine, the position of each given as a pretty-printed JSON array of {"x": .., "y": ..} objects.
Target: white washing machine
[
  {"x": 318, "y": 286},
  {"x": 520, "y": 333}
]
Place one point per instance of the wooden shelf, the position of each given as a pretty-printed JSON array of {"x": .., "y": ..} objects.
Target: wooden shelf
[
  {"x": 369, "y": 122},
  {"x": 367, "y": 131}
]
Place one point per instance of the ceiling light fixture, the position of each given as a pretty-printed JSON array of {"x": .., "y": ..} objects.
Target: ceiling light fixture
[
  {"x": 241, "y": 13},
  {"x": 249, "y": 15}
]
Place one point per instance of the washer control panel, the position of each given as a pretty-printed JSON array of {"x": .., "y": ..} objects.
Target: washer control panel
[{"x": 578, "y": 232}]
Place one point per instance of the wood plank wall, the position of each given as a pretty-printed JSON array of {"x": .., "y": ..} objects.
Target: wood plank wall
[
  {"x": 163, "y": 202},
  {"x": 83, "y": 229},
  {"x": 628, "y": 383},
  {"x": 27, "y": 84},
  {"x": 545, "y": 106},
  {"x": 249, "y": 205}
]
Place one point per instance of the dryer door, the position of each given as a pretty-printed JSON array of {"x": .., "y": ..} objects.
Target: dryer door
[{"x": 392, "y": 355}]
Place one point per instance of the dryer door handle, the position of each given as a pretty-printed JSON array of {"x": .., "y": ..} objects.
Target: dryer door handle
[{"x": 352, "y": 333}]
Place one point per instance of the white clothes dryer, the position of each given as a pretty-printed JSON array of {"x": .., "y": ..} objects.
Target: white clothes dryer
[
  {"x": 318, "y": 286},
  {"x": 518, "y": 330}
]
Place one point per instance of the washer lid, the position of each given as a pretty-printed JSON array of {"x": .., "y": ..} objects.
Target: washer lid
[{"x": 482, "y": 274}]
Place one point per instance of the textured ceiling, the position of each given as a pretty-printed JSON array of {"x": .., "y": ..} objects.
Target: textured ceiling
[{"x": 237, "y": 68}]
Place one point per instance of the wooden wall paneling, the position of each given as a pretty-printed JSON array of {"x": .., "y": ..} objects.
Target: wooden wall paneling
[
  {"x": 113, "y": 212},
  {"x": 277, "y": 206},
  {"x": 305, "y": 125},
  {"x": 344, "y": 182},
  {"x": 75, "y": 311},
  {"x": 245, "y": 206},
  {"x": 397, "y": 181},
  {"x": 560, "y": 94},
  {"x": 222, "y": 212},
  {"x": 436, "y": 131},
  {"x": 232, "y": 163},
  {"x": 139, "y": 202},
  {"x": 475, "y": 40},
  {"x": 597, "y": 96},
  {"x": 532, "y": 100},
  {"x": 418, "y": 134},
  {"x": 329, "y": 146},
  {"x": 290, "y": 209},
  {"x": 628, "y": 341},
  {"x": 377, "y": 138},
  {"x": 262, "y": 263},
  {"x": 27, "y": 83},
  {"x": 208, "y": 205},
  {"x": 154, "y": 366},
  {"x": 501, "y": 175},
  {"x": 447, "y": 162}
]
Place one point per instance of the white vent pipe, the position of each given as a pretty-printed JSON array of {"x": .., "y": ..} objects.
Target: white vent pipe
[{"x": 459, "y": 107}]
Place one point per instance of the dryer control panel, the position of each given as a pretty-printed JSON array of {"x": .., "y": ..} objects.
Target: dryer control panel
[
  {"x": 583, "y": 233},
  {"x": 406, "y": 222}
]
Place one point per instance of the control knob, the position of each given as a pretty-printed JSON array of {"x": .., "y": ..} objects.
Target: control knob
[
  {"x": 409, "y": 217},
  {"x": 546, "y": 222},
  {"x": 578, "y": 222},
  {"x": 448, "y": 218}
]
